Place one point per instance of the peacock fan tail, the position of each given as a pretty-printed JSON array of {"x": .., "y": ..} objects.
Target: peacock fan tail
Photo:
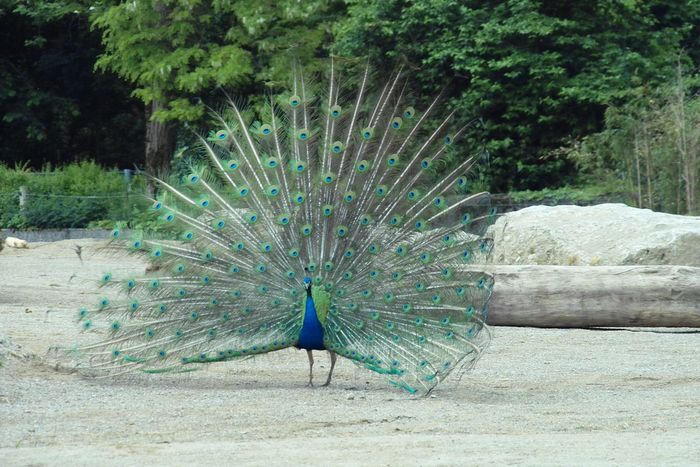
[{"x": 316, "y": 227}]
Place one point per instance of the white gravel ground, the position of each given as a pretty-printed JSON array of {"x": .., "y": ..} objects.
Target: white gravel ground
[{"x": 538, "y": 397}]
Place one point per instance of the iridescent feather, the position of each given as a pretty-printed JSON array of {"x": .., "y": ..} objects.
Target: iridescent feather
[{"x": 333, "y": 188}]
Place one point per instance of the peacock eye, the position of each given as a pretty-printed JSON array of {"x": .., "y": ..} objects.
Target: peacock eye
[
  {"x": 347, "y": 199},
  {"x": 337, "y": 147}
]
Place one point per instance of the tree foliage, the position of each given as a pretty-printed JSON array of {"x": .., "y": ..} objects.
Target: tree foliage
[
  {"x": 53, "y": 108},
  {"x": 537, "y": 72},
  {"x": 650, "y": 147},
  {"x": 179, "y": 52},
  {"x": 176, "y": 53},
  {"x": 171, "y": 51}
]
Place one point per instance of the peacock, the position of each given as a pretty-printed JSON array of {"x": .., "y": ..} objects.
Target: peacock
[{"x": 314, "y": 220}]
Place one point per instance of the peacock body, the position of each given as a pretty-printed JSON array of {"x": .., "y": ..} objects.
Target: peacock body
[{"x": 315, "y": 226}]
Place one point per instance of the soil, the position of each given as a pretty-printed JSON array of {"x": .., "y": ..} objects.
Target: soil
[{"x": 537, "y": 397}]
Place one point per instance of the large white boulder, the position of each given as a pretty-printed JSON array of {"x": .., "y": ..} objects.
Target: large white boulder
[{"x": 606, "y": 234}]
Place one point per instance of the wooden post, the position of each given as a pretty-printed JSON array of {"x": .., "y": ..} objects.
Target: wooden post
[
  {"x": 23, "y": 195},
  {"x": 127, "y": 178}
]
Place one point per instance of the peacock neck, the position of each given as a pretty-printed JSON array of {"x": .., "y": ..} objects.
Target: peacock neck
[{"x": 311, "y": 333}]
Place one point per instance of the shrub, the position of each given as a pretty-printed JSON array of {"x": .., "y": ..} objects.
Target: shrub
[{"x": 69, "y": 196}]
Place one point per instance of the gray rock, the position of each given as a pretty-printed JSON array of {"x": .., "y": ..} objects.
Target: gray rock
[{"x": 606, "y": 234}]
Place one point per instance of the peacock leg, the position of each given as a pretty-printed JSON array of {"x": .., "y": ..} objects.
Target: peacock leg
[
  {"x": 311, "y": 368},
  {"x": 330, "y": 373}
]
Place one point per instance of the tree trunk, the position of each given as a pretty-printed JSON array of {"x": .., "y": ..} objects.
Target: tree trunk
[
  {"x": 639, "y": 172},
  {"x": 595, "y": 296},
  {"x": 647, "y": 159},
  {"x": 679, "y": 188},
  {"x": 686, "y": 130},
  {"x": 691, "y": 167},
  {"x": 160, "y": 145}
]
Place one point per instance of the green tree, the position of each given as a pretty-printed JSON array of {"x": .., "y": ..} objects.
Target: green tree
[
  {"x": 650, "y": 146},
  {"x": 537, "y": 72},
  {"x": 175, "y": 53},
  {"x": 170, "y": 51}
]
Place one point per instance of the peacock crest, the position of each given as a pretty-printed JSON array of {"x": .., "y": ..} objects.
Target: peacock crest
[{"x": 317, "y": 224}]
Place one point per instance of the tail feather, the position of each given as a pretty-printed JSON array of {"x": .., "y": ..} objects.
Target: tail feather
[{"x": 334, "y": 186}]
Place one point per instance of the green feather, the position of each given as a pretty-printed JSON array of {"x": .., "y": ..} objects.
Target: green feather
[{"x": 334, "y": 185}]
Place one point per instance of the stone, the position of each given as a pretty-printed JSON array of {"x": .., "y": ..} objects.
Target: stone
[
  {"x": 15, "y": 242},
  {"x": 606, "y": 234}
]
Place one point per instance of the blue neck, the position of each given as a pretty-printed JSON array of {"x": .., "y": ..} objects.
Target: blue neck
[{"x": 311, "y": 334}]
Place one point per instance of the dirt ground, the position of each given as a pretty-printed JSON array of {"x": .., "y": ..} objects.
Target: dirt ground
[{"x": 538, "y": 397}]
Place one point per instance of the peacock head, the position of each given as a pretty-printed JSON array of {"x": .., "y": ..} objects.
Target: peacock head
[{"x": 307, "y": 283}]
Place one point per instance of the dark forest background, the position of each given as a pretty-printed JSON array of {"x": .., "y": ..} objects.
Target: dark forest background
[{"x": 579, "y": 100}]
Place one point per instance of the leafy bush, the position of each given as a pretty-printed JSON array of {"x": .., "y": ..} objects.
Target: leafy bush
[{"x": 70, "y": 196}]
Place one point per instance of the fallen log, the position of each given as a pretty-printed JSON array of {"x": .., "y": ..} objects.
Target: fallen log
[{"x": 595, "y": 296}]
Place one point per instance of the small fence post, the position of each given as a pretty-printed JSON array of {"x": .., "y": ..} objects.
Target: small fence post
[
  {"x": 127, "y": 204},
  {"x": 127, "y": 178},
  {"x": 23, "y": 195}
]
